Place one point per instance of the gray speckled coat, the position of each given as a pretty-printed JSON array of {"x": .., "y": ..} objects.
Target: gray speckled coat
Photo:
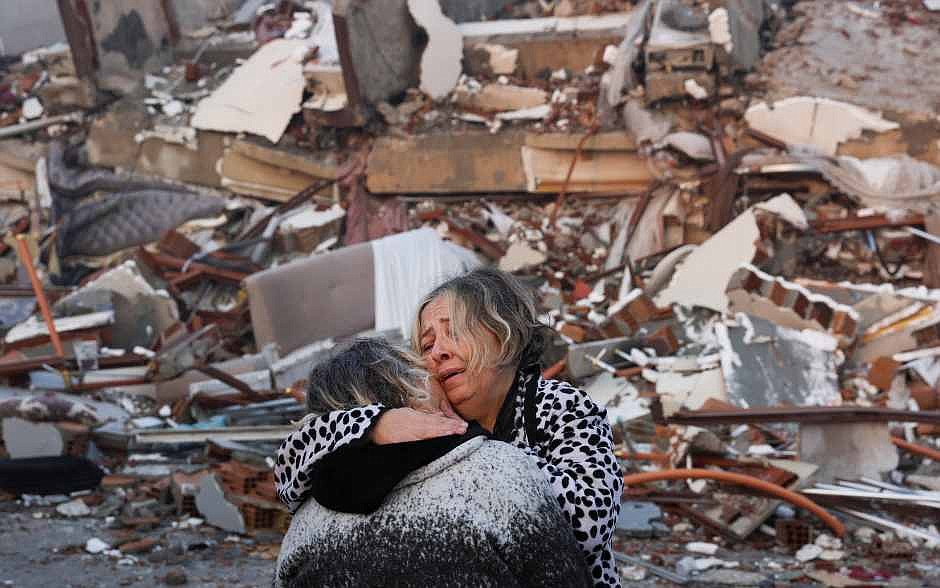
[{"x": 481, "y": 515}]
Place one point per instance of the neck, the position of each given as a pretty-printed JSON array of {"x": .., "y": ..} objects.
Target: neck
[{"x": 504, "y": 382}]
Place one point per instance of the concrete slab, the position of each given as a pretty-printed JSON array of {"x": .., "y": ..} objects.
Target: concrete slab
[
  {"x": 25, "y": 439},
  {"x": 848, "y": 450},
  {"x": 215, "y": 508}
]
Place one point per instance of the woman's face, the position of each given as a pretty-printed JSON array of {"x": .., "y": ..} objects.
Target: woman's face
[{"x": 474, "y": 395}]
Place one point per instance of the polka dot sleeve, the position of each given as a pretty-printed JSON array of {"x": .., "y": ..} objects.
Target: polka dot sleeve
[
  {"x": 315, "y": 438},
  {"x": 577, "y": 457}
]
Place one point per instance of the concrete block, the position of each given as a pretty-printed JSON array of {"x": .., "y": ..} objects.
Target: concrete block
[
  {"x": 848, "y": 450},
  {"x": 25, "y": 439}
]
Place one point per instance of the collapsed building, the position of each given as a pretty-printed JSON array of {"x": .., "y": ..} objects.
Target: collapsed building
[{"x": 726, "y": 209}]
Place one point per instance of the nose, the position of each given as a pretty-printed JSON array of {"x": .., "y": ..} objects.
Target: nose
[{"x": 441, "y": 350}]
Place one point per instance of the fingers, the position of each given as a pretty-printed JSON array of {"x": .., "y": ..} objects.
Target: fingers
[
  {"x": 405, "y": 424},
  {"x": 439, "y": 426}
]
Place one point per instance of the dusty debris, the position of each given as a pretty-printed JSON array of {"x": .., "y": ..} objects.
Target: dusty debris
[{"x": 733, "y": 248}]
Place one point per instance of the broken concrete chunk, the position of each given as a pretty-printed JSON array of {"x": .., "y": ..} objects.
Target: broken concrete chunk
[
  {"x": 519, "y": 256},
  {"x": 261, "y": 96},
  {"x": 32, "y": 108},
  {"x": 694, "y": 145},
  {"x": 636, "y": 518},
  {"x": 718, "y": 28},
  {"x": 695, "y": 89},
  {"x": 618, "y": 396},
  {"x": 820, "y": 122},
  {"x": 35, "y": 327},
  {"x": 216, "y": 509},
  {"x": 73, "y": 508},
  {"x": 26, "y": 439},
  {"x": 547, "y": 169},
  {"x": 502, "y": 59},
  {"x": 96, "y": 546},
  {"x": 848, "y": 451},
  {"x": 702, "y": 548},
  {"x": 643, "y": 124},
  {"x": 767, "y": 365},
  {"x": 702, "y": 278},
  {"x": 500, "y": 97},
  {"x": 677, "y": 390},
  {"x": 447, "y": 163},
  {"x": 441, "y": 61},
  {"x": 327, "y": 87}
]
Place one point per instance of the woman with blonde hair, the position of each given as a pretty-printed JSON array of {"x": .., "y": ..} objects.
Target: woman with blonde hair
[
  {"x": 478, "y": 336},
  {"x": 459, "y": 510}
]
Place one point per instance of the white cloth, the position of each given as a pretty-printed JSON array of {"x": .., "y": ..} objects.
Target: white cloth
[{"x": 408, "y": 266}]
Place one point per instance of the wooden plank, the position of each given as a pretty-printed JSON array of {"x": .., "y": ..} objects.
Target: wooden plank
[
  {"x": 457, "y": 163},
  {"x": 596, "y": 171},
  {"x": 605, "y": 141},
  {"x": 253, "y": 177},
  {"x": 318, "y": 165}
]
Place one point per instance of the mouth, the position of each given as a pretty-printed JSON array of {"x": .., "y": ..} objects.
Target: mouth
[{"x": 446, "y": 375}]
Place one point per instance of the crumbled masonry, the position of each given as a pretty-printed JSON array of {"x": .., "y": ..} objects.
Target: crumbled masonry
[{"x": 728, "y": 212}]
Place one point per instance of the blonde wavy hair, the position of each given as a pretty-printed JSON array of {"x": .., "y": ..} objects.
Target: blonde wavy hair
[{"x": 485, "y": 301}]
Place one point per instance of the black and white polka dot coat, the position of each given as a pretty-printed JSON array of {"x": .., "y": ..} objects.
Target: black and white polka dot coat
[{"x": 574, "y": 451}]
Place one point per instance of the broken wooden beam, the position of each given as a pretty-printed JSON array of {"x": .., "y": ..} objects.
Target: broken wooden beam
[
  {"x": 865, "y": 223},
  {"x": 451, "y": 163}
]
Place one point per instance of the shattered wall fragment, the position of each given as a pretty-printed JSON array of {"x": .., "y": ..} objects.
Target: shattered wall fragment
[
  {"x": 440, "y": 62},
  {"x": 819, "y": 122},
  {"x": 261, "y": 96}
]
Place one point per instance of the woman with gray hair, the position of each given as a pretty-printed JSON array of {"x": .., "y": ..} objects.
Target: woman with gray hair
[
  {"x": 479, "y": 338},
  {"x": 435, "y": 512}
]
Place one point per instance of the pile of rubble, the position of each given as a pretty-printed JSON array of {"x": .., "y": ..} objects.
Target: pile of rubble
[{"x": 741, "y": 259}]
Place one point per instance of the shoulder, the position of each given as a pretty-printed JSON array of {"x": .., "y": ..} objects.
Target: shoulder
[
  {"x": 556, "y": 398},
  {"x": 482, "y": 469}
]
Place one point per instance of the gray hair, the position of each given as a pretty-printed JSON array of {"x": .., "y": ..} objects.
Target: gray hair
[
  {"x": 487, "y": 299},
  {"x": 366, "y": 371}
]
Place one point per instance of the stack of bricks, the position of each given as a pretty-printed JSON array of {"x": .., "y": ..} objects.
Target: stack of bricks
[
  {"x": 627, "y": 318},
  {"x": 252, "y": 489},
  {"x": 833, "y": 318}
]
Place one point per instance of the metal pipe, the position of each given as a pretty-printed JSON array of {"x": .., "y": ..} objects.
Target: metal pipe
[
  {"x": 720, "y": 476},
  {"x": 27, "y": 260},
  {"x": 14, "y": 130},
  {"x": 916, "y": 449}
]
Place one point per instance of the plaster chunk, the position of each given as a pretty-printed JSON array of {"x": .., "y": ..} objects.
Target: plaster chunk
[{"x": 441, "y": 61}]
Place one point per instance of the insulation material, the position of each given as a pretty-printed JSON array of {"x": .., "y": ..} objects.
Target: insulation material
[{"x": 897, "y": 182}]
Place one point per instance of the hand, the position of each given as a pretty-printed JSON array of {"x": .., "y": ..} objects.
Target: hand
[{"x": 400, "y": 425}]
